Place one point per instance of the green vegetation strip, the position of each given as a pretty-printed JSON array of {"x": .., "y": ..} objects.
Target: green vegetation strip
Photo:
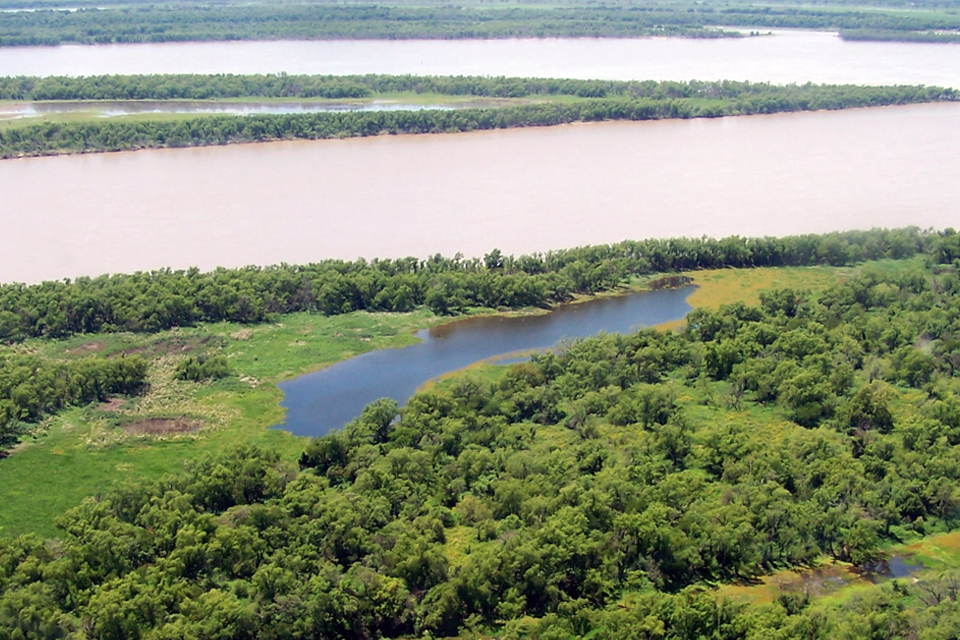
[
  {"x": 169, "y": 420},
  {"x": 594, "y": 101},
  {"x": 595, "y": 492},
  {"x": 273, "y": 22}
]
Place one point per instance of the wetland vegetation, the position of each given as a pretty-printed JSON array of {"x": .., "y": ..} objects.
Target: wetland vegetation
[
  {"x": 603, "y": 490},
  {"x": 536, "y": 102},
  {"x": 187, "y": 22},
  {"x": 153, "y": 301},
  {"x": 783, "y": 462}
]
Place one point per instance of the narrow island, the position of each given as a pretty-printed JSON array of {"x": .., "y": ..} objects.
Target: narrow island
[
  {"x": 40, "y": 23},
  {"x": 72, "y": 119}
]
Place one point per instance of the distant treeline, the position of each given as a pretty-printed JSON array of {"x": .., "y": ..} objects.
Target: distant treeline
[
  {"x": 32, "y": 387},
  {"x": 223, "y": 86},
  {"x": 829, "y": 19},
  {"x": 163, "y": 299},
  {"x": 50, "y": 138},
  {"x": 880, "y": 35},
  {"x": 266, "y": 22}
]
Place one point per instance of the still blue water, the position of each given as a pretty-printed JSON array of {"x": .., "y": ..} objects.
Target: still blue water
[{"x": 325, "y": 400}]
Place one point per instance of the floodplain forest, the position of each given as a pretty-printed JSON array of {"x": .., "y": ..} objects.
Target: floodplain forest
[
  {"x": 584, "y": 101},
  {"x": 32, "y": 388},
  {"x": 100, "y": 24},
  {"x": 598, "y": 490}
]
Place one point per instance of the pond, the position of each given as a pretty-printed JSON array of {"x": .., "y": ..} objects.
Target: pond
[
  {"x": 887, "y": 568},
  {"x": 325, "y": 400}
]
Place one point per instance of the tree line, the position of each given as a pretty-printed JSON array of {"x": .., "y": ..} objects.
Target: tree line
[
  {"x": 591, "y": 492},
  {"x": 158, "y": 300},
  {"x": 33, "y": 387},
  {"x": 879, "y": 35},
  {"x": 98, "y": 135},
  {"x": 282, "y": 85},
  {"x": 265, "y": 22}
]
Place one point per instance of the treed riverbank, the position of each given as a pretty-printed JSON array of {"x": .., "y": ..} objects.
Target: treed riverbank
[
  {"x": 694, "y": 100},
  {"x": 264, "y": 22},
  {"x": 417, "y": 195}
]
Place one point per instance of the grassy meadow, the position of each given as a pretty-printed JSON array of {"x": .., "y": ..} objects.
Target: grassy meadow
[{"x": 84, "y": 450}]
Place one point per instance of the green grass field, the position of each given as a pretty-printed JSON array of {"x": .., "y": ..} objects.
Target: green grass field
[{"x": 85, "y": 450}]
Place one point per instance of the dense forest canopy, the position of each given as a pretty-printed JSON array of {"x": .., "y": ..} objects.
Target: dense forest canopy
[
  {"x": 33, "y": 388},
  {"x": 616, "y": 101},
  {"x": 153, "y": 301},
  {"x": 274, "y": 21},
  {"x": 590, "y": 492},
  {"x": 282, "y": 85}
]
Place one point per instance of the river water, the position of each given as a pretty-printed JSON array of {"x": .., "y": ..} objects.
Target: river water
[
  {"x": 114, "y": 108},
  {"x": 319, "y": 402},
  {"x": 788, "y": 56},
  {"x": 521, "y": 190}
]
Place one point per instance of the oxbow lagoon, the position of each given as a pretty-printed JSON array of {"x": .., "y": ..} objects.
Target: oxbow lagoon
[{"x": 325, "y": 400}]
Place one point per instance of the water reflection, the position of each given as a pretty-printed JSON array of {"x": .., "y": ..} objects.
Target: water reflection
[
  {"x": 319, "y": 402},
  {"x": 897, "y": 566}
]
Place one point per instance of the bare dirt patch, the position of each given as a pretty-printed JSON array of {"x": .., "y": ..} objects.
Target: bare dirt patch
[
  {"x": 163, "y": 426},
  {"x": 171, "y": 345},
  {"x": 87, "y": 347},
  {"x": 112, "y": 404}
]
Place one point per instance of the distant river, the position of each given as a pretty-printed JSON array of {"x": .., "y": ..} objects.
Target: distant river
[
  {"x": 320, "y": 402},
  {"x": 521, "y": 190},
  {"x": 788, "y": 56}
]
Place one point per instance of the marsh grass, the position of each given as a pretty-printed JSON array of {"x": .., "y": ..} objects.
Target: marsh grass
[
  {"x": 85, "y": 450},
  {"x": 831, "y": 583}
]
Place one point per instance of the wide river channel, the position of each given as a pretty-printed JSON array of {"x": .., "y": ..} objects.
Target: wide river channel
[
  {"x": 319, "y": 402},
  {"x": 788, "y": 56},
  {"x": 521, "y": 190}
]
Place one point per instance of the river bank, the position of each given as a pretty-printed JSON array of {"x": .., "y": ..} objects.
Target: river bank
[{"x": 597, "y": 183}]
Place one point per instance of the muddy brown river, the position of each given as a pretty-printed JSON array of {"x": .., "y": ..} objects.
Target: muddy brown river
[
  {"x": 788, "y": 56},
  {"x": 521, "y": 190}
]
